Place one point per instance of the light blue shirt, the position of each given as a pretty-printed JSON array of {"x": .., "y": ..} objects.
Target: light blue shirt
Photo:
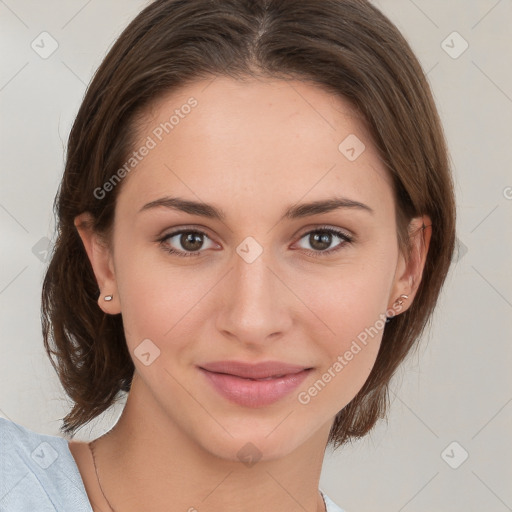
[{"x": 39, "y": 473}]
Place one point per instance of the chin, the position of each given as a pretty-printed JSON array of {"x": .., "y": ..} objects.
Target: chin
[{"x": 252, "y": 444}]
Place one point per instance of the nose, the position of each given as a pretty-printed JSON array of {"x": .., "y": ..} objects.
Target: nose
[{"x": 254, "y": 304}]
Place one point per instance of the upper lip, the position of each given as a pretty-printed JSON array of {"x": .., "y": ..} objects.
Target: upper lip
[{"x": 261, "y": 370}]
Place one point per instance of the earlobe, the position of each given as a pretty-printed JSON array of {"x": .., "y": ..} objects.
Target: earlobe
[{"x": 100, "y": 257}]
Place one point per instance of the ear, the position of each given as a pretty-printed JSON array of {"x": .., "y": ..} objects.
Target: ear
[
  {"x": 100, "y": 256},
  {"x": 410, "y": 265}
]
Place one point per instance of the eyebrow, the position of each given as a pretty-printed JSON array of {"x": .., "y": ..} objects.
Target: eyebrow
[{"x": 293, "y": 212}]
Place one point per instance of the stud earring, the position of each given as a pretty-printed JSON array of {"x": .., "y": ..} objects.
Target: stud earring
[
  {"x": 397, "y": 305},
  {"x": 108, "y": 298},
  {"x": 399, "y": 302}
]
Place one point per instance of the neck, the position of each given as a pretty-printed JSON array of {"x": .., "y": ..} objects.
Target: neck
[{"x": 147, "y": 463}]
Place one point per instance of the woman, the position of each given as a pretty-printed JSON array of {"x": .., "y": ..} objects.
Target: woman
[{"x": 255, "y": 221}]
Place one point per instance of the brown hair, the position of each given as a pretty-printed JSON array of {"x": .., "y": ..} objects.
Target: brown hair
[{"x": 346, "y": 46}]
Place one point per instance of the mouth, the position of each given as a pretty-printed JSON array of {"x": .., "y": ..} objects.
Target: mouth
[
  {"x": 254, "y": 371},
  {"x": 254, "y": 385}
]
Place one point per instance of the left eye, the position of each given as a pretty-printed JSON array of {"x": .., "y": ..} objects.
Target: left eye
[{"x": 320, "y": 240}]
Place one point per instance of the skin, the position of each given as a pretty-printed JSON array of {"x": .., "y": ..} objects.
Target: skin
[{"x": 252, "y": 149}]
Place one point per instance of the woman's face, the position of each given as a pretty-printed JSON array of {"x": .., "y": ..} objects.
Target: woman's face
[{"x": 281, "y": 222}]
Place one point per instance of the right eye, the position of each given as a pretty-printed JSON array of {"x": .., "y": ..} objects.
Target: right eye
[{"x": 186, "y": 242}]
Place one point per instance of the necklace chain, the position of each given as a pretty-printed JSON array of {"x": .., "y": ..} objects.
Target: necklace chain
[{"x": 91, "y": 447}]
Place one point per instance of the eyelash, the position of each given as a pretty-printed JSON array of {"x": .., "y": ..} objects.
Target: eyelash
[{"x": 345, "y": 239}]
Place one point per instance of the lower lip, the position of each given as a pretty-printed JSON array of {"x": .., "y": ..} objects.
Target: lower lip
[{"x": 254, "y": 393}]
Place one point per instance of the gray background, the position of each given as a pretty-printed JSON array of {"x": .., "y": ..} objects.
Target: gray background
[{"x": 456, "y": 389}]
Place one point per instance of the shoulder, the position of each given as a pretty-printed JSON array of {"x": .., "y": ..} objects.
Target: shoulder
[
  {"x": 38, "y": 472},
  {"x": 331, "y": 506}
]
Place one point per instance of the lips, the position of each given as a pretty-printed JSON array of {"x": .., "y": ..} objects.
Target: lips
[
  {"x": 254, "y": 385},
  {"x": 258, "y": 371}
]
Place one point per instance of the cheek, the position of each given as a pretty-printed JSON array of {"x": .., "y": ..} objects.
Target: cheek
[
  {"x": 155, "y": 298},
  {"x": 349, "y": 299},
  {"x": 349, "y": 350},
  {"x": 351, "y": 306}
]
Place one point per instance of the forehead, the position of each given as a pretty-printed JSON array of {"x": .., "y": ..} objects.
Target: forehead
[{"x": 266, "y": 139}]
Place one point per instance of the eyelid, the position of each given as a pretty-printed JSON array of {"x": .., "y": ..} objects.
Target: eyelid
[
  {"x": 315, "y": 227},
  {"x": 180, "y": 231},
  {"x": 185, "y": 227},
  {"x": 204, "y": 230}
]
